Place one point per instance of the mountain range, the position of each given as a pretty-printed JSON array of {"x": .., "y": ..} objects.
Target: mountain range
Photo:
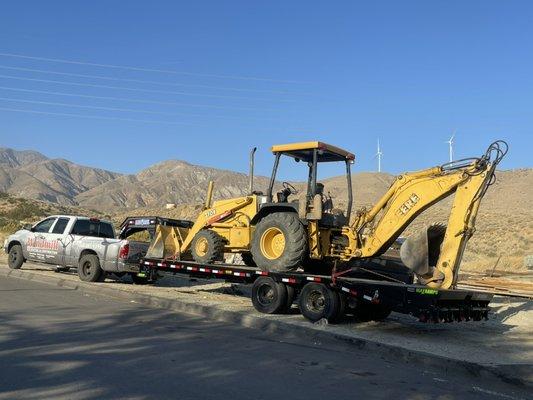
[{"x": 504, "y": 223}]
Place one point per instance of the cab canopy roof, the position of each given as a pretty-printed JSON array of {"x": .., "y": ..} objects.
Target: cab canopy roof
[{"x": 304, "y": 151}]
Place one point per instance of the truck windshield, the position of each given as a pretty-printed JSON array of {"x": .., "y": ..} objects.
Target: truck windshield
[{"x": 85, "y": 227}]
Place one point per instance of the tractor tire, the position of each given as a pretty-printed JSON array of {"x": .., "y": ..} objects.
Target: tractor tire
[
  {"x": 15, "y": 257},
  {"x": 248, "y": 259},
  {"x": 89, "y": 269},
  {"x": 269, "y": 296},
  {"x": 279, "y": 242},
  {"x": 317, "y": 301},
  {"x": 207, "y": 247}
]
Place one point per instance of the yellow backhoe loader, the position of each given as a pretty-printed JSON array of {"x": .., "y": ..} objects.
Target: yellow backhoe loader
[{"x": 281, "y": 232}]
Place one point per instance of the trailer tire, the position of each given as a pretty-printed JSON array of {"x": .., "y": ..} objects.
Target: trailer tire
[
  {"x": 269, "y": 296},
  {"x": 317, "y": 301},
  {"x": 207, "y": 247},
  {"x": 279, "y": 242},
  {"x": 89, "y": 269},
  {"x": 291, "y": 294},
  {"x": 15, "y": 257}
]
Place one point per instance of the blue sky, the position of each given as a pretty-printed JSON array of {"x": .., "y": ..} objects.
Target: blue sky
[{"x": 207, "y": 80}]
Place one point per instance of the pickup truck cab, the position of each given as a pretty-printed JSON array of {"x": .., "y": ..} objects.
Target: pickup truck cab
[{"x": 89, "y": 244}]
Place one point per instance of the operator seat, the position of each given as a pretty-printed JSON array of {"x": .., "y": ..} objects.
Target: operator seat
[{"x": 330, "y": 216}]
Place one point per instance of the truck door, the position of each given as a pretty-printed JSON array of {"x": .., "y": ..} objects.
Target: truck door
[
  {"x": 58, "y": 235},
  {"x": 38, "y": 244}
]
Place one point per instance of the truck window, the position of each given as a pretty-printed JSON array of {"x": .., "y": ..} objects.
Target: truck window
[
  {"x": 86, "y": 227},
  {"x": 60, "y": 225},
  {"x": 106, "y": 230},
  {"x": 44, "y": 226}
]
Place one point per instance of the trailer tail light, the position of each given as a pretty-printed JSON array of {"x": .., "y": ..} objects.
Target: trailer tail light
[{"x": 124, "y": 251}]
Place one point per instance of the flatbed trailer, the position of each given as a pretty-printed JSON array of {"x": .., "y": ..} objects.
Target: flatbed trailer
[{"x": 337, "y": 296}]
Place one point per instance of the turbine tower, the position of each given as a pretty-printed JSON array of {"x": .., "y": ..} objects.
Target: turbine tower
[
  {"x": 450, "y": 146},
  {"x": 378, "y": 155}
]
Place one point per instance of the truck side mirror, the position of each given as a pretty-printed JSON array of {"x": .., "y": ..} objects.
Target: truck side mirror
[{"x": 27, "y": 227}]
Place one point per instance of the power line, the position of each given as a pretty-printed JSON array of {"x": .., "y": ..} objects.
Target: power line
[
  {"x": 96, "y": 117},
  {"x": 149, "y": 81},
  {"x": 132, "y": 89},
  {"x": 114, "y": 109},
  {"x": 167, "y": 103},
  {"x": 133, "y": 68}
]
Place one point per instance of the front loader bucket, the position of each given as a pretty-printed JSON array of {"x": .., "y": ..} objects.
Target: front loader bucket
[
  {"x": 420, "y": 252},
  {"x": 166, "y": 243}
]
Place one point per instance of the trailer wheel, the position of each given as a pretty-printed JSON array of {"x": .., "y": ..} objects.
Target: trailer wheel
[
  {"x": 269, "y": 296},
  {"x": 15, "y": 258},
  {"x": 89, "y": 269},
  {"x": 279, "y": 242},
  {"x": 317, "y": 301},
  {"x": 207, "y": 247}
]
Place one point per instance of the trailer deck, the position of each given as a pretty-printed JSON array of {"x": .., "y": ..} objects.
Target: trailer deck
[{"x": 336, "y": 296}]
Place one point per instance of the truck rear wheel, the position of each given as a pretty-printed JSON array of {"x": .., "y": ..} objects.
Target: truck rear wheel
[
  {"x": 89, "y": 269},
  {"x": 269, "y": 296},
  {"x": 279, "y": 242},
  {"x": 15, "y": 257},
  {"x": 207, "y": 247},
  {"x": 317, "y": 301}
]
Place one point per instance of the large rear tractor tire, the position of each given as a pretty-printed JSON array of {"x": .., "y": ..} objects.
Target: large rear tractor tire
[
  {"x": 207, "y": 247},
  {"x": 279, "y": 242},
  {"x": 15, "y": 258}
]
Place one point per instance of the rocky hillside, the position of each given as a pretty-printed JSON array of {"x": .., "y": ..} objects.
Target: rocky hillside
[
  {"x": 167, "y": 182},
  {"x": 32, "y": 175}
]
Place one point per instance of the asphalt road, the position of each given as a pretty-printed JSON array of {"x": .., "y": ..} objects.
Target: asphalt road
[{"x": 59, "y": 343}]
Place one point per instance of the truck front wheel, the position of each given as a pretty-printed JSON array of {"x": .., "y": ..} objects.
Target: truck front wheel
[
  {"x": 89, "y": 269},
  {"x": 15, "y": 257}
]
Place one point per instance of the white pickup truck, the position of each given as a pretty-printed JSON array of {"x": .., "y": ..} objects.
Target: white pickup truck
[{"x": 76, "y": 241}]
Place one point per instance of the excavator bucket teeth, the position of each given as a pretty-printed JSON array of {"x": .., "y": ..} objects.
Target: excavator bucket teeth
[
  {"x": 166, "y": 243},
  {"x": 420, "y": 252}
]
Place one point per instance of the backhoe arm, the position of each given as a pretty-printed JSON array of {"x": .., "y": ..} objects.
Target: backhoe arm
[{"x": 434, "y": 254}]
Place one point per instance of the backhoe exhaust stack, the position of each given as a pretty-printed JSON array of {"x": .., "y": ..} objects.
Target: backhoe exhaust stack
[{"x": 251, "y": 177}]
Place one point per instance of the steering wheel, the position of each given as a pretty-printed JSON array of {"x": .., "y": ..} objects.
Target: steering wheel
[{"x": 289, "y": 187}]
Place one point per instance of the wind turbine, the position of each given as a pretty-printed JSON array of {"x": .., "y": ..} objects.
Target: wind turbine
[
  {"x": 378, "y": 155},
  {"x": 450, "y": 146}
]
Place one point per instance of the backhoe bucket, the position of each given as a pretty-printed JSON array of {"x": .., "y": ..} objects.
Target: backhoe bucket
[
  {"x": 420, "y": 252},
  {"x": 166, "y": 243}
]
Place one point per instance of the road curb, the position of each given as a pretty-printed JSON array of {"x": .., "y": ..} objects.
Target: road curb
[{"x": 516, "y": 374}]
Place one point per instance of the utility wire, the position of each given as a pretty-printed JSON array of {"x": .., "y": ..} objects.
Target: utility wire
[
  {"x": 97, "y": 117},
  {"x": 132, "y": 89},
  {"x": 44, "y": 71},
  {"x": 116, "y": 109},
  {"x": 134, "y": 68},
  {"x": 167, "y": 103}
]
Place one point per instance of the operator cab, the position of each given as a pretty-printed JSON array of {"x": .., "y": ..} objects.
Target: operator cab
[{"x": 317, "y": 205}]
